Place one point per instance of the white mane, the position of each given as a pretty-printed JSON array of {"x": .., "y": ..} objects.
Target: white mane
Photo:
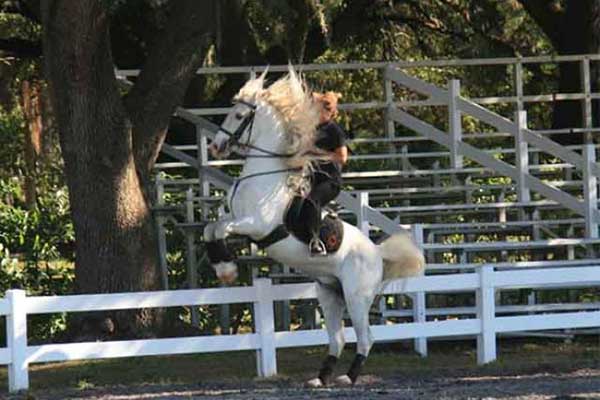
[{"x": 292, "y": 101}]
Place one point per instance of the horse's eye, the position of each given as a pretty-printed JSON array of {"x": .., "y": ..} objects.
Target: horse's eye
[{"x": 239, "y": 115}]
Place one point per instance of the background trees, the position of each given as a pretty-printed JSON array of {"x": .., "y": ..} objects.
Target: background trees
[{"x": 110, "y": 136}]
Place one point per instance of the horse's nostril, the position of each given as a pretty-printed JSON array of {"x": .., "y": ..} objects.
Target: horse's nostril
[{"x": 214, "y": 149}]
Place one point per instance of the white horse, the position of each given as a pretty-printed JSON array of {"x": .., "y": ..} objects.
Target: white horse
[{"x": 276, "y": 127}]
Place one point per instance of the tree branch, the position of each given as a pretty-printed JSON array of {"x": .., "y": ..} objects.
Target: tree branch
[
  {"x": 21, "y": 48},
  {"x": 416, "y": 24},
  {"x": 171, "y": 63},
  {"x": 546, "y": 15}
]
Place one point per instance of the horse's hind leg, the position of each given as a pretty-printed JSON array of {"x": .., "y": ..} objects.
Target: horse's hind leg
[
  {"x": 360, "y": 285},
  {"x": 333, "y": 306},
  {"x": 358, "y": 308}
]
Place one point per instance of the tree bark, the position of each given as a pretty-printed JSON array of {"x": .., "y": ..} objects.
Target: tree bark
[
  {"x": 110, "y": 145},
  {"x": 573, "y": 38},
  {"x": 236, "y": 47},
  {"x": 574, "y": 29},
  {"x": 31, "y": 96}
]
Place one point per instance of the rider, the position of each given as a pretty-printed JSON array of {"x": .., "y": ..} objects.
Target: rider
[{"x": 327, "y": 178}]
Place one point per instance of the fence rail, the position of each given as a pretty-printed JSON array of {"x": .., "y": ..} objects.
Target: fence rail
[
  {"x": 520, "y": 173},
  {"x": 484, "y": 282}
]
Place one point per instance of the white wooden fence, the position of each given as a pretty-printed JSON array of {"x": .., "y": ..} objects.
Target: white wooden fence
[{"x": 485, "y": 282}]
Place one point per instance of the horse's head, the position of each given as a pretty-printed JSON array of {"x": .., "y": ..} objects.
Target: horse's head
[
  {"x": 236, "y": 129},
  {"x": 278, "y": 121}
]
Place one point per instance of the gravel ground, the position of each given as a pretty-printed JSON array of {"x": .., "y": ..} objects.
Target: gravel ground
[{"x": 578, "y": 384}]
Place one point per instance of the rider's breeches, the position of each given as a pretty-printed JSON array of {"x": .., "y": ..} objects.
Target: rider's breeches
[{"x": 325, "y": 188}]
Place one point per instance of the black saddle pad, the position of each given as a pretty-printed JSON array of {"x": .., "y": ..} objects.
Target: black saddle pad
[{"x": 297, "y": 219}]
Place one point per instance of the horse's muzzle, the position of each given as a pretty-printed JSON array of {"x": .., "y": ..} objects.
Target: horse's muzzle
[{"x": 218, "y": 150}]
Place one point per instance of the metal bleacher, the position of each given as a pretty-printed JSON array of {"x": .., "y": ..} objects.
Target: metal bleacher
[{"x": 508, "y": 196}]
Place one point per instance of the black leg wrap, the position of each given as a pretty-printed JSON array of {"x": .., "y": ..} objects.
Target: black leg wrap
[
  {"x": 327, "y": 369},
  {"x": 218, "y": 251},
  {"x": 356, "y": 367}
]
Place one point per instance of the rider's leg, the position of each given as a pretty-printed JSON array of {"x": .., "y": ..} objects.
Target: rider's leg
[{"x": 325, "y": 189}]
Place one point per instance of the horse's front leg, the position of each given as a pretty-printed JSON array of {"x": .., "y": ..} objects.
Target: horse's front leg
[
  {"x": 246, "y": 226},
  {"x": 221, "y": 258}
]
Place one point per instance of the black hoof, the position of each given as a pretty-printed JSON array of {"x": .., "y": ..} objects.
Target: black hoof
[
  {"x": 327, "y": 369},
  {"x": 356, "y": 367}
]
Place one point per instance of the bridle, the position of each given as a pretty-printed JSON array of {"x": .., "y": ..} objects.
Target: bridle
[
  {"x": 248, "y": 123},
  {"x": 234, "y": 139}
]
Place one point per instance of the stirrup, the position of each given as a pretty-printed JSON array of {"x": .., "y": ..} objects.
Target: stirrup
[
  {"x": 317, "y": 247},
  {"x": 332, "y": 213}
]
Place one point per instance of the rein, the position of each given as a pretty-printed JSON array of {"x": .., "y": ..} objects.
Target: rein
[
  {"x": 238, "y": 181},
  {"x": 248, "y": 123}
]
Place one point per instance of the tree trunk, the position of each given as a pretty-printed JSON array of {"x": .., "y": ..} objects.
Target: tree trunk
[
  {"x": 573, "y": 39},
  {"x": 32, "y": 102},
  {"x": 300, "y": 19},
  {"x": 237, "y": 47},
  {"x": 115, "y": 239},
  {"x": 594, "y": 48},
  {"x": 109, "y": 146},
  {"x": 573, "y": 27}
]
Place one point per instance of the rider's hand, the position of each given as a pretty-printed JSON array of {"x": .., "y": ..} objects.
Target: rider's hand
[{"x": 341, "y": 155}]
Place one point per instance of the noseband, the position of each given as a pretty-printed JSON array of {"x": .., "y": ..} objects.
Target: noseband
[{"x": 247, "y": 123}]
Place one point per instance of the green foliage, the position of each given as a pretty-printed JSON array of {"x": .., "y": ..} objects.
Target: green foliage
[
  {"x": 12, "y": 133},
  {"x": 45, "y": 232},
  {"x": 17, "y": 26},
  {"x": 36, "y": 245},
  {"x": 41, "y": 234}
]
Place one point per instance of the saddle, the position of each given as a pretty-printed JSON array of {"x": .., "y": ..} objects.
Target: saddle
[{"x": 331, "y": 231}]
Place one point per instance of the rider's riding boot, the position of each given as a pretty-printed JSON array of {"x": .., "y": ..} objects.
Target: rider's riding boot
[{"x": 317, "y": 247}]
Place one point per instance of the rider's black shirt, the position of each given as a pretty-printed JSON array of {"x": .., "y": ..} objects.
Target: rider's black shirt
[{"x": 330, "y": 137}]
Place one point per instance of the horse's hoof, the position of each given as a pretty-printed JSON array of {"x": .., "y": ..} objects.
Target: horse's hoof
[
  {"x": 343, "y": 380},
  {"x": 314, "y": 383}
]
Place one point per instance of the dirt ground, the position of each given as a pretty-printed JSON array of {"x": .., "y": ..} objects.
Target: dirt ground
[
  {"x": 525, "y": 370},
  {"x": 580, "y": 384}
]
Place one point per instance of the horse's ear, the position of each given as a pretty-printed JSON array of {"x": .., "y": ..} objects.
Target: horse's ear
[
  {"x": 291, "y": 71},
  {"x": 263, "y": 75},
  {"x": 295, "y": 78}
]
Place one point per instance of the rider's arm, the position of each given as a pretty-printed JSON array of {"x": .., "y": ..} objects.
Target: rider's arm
[{"x": 340, "y": 155}]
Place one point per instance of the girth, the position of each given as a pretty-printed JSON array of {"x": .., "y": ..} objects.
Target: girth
[{"x": 275, "y": 236}]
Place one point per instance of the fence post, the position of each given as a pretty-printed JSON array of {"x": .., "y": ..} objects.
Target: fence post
[
  {"x": 454, "y": 123},
  {"x": 162, "y": 236},
  {"x": 419, "y": 305},
  {"x": 390, "y": 128},
  {"x": 590, "y": 190},
  {"x": 522, "y": 156},
  {"x": 519, "y": 85},
  {"x": 362, "y": 221},
  {"x": 16, "y": 340},
  {"x": 264, "y": 322},
  {"x": 586, "y": 84},
  {"x": 202, "y": 157},
  {"x": 486, "y": 312},
  {"x": 192, "y": 262}
]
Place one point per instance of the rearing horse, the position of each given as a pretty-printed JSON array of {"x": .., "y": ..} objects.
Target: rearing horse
[{"x": 276, "y": 126}]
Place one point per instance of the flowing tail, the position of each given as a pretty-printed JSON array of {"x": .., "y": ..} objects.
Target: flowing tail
[{"x": 401, "y": 257}]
